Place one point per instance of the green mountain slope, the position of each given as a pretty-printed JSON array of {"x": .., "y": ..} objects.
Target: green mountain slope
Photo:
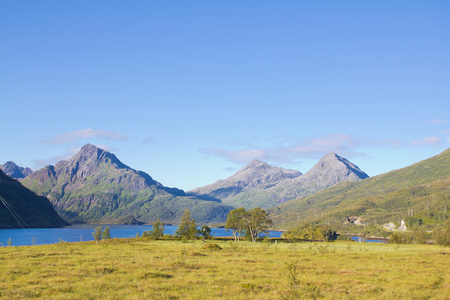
[
  {"x": 418, "y": 192},
  {"x": 21, "y": 207},
  {"x": 95, "y": 187}
]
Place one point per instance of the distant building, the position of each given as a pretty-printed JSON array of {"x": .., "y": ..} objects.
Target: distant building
[{"x": 402, "y": 226}]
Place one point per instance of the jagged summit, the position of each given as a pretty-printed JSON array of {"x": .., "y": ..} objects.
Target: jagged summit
[
  {"x": 332, "y": 168},
  {"x": 15, "y": 171},
  {"x": 255, "y": 163},
  {"x": 92, "y": 152}
]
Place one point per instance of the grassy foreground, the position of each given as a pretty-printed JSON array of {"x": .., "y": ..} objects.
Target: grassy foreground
[{"x": 145, "y": 269}]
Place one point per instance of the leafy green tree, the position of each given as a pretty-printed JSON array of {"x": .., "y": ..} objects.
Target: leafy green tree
[
  {"x": 187, "y": 229},
  {"x": 205, "y": 231},
  {"x": 442, "y": 234},
  {"x": 158, "y": 230},
  {"x": 106, "y": 234},
  {"x": 236, "y": 222},
  {"x": 97, "y": 234},
  {"x": 312, "y": 232},
  {"x": 420, "y": 236},
  {"x": 396, "y": 238},
  {"x": 257, "y": 222}
]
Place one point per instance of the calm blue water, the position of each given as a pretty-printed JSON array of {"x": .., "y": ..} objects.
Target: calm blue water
[
  {"x": 357, "y": 239},
  {"x": 40, "y": 236}
]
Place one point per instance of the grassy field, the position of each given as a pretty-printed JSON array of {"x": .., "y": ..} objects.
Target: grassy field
[{"x": 145, "y": 269}]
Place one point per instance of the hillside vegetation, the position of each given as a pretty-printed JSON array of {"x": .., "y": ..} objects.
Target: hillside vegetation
[{"x": 419, "y": 194}]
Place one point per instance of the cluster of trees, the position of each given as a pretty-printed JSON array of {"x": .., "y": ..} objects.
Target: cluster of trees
[
  {"x": 239, "y": 221},
  {"x": 100, "y": 234},
  {"x": 251, "y": 223},
  {"x": 442, "y": 234},
  {"x": 157, "y": 231},
  {"x": 188, "y": 228},
  {"x": 312, "y": 232}
]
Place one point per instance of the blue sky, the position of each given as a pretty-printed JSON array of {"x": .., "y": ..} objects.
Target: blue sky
[{"x": 191, "y": 91}]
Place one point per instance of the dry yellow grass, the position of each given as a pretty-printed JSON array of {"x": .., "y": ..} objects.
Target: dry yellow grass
[{"x": 146, "y": 269}]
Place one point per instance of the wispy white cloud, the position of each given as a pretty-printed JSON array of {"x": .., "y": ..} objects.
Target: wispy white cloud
[
  {"x": 340, "y": 143},
  {"x": 54, "y": 159},
  {"x": 309, "y": 148},
  {"x": 238, "y": 156},
  {"x": 87, "y": 133},
  {"x": 346, "y": 145},
  {"x": 68, "y": 155},
  {"x": 439, "y": 122},
  {"x": 394, "y": 143},
  {"x": 148, "y": 140},
  {"x": 431, "y": 140},
  {"x": 107, "y": 148}
]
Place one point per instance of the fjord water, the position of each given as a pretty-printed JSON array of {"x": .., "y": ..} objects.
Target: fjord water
[{"x": 40, "y": 236}]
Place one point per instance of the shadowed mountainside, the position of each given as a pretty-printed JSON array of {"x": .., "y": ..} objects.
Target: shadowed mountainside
[{"x": 20, "y": 207}]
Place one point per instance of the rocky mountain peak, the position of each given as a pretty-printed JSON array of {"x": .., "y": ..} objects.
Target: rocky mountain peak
[
  {"x": 15, "y": 171},
  {"x": 89, "y": 150},
  {"x": 256, "y": 163},
  {"x": 254, "y": 176},
  {"x": 334, "y": 168},
  {"x": 255, "y": 166},
  {"x": 93, "y": 155}
]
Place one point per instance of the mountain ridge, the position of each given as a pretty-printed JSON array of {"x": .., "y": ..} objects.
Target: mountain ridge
[
  {"x": 328, "y": 171},
  {"x": 255, "y": 175},
  {"x": 94, "y": 185}
]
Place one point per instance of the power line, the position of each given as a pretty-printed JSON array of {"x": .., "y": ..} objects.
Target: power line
[{"x": 15, "y": 215}]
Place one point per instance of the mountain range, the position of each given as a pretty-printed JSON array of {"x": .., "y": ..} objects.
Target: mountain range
[
  {"x": 95, "y": 187},
  {"x": 419, "y": 193},
  {"x": 20, "y": 207},
  {"x": 261, "y": 185}
]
